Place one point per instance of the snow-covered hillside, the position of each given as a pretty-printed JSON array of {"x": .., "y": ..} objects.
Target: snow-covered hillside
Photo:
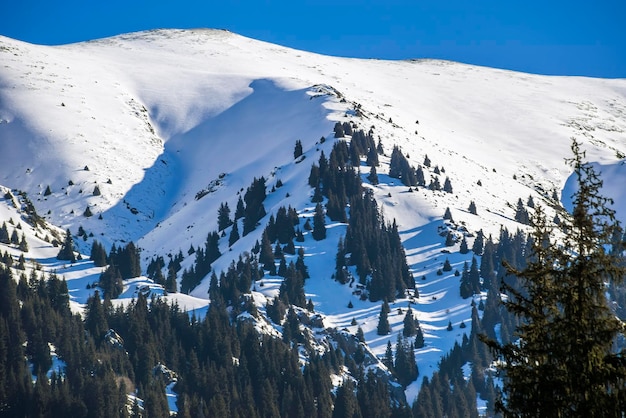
[{"x": 170, "y": 124}]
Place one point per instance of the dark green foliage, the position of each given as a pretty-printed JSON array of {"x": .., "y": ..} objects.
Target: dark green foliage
[
  {"x": 240, "y": 210},
  {"x": 405, "y": 367},
  {"x": 447, "y": 186},
  {"x": 15, "y": 238},
  {"x": 373, "y": 176},
  {"x": 472, "y": 208},
  {"x": 400, "y": 168},
  {"x": 276, "y": 310},
  {"x": 170, "y": 281},
  {"x": 339, "y": 133},
  {"x": 447, "y": 266},
  {"x": 292, "y": 288},
  {"x": 111, "y": 282},
  {"x": 564, "y": 363},
  {"x": 298, "y": 149},
  {"x": 87, "y": 213},
  {"x": 48, "y": 192},
  {"x": 410, "y": 324},
  {"x": 450, "y": 240},
  {"x": 4, "y": 234},
  {"x": 98, "y": 254},
  {"x": 234, "y": 234},
  {"x": 67, "y": 249},
  {"x": 96, "y": 191},
  {"x": 521, "y": 214},
  {"x": 479, "y": 243},
  {"x": 254, "y": 211},
  {"x": 126, "y": 260},
  {"x": 383, "y": 327},
  {"x": 319, "y": 223},
  {"x": 223, "y": 217},
  {"x": 463, "y": 248},
  {"x": 346, "y": 404},
  {"x": 376, "y": 250},
  {"x": 419, "y": 338},
  {"x": 23, "y": 245}
]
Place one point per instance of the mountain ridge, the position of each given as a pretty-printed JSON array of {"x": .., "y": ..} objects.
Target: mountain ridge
[{"x": 167, "y": 116}]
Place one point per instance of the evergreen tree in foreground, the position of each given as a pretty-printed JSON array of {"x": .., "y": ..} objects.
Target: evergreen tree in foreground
[{"x": 564, "y": 363}]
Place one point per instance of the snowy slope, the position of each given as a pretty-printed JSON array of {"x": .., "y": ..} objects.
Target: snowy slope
[{"x": 155, "y": 118}]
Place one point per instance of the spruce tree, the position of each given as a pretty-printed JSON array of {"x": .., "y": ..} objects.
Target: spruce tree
[
  {"x": 223, "y": 217},
  {"x": 319, "y": 223},
  {"x": 410, "y": 326},
  {"x": 564, "y": 363},
  {"x": 297, "y": 149},
  {"x": 383, "y": 327},
  {"x": 234, "y": 235},
  {"x": 67, "y": 249}
]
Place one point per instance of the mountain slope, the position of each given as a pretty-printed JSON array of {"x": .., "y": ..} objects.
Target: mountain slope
[{"x": 170, "y": 124}]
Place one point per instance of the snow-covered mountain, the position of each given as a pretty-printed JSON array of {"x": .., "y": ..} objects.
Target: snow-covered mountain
[{"x": 169, "y": 124}]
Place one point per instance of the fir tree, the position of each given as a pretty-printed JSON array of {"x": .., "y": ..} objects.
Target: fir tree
[
  {"x": 241, "y": 209},
  {"x": 234, "y": 234},
  {"x": 463, "y": 248},
  {"x": 472, "y": 208},
  {"x": 373, "y": 176},
  {"x": 223, "y": 217},
  {"x": 319, "y": 223},
  {"x": 410, "y": 326},
  {"x": 297, "y": 152},
  {"x": 564, "y": 363},
  {"x": 23, "y": 245},
  {"x": 383, "y": 327},
  {"x": 67, "y": 249},
  {"x": 98, "y": 254},
  {"x": 4, "y": 234}
]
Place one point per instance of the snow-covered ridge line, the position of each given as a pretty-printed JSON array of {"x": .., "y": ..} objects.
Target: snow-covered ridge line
[{"x": 152, "y": 120}]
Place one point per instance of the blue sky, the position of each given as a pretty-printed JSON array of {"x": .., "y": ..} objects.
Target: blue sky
[{"x": 547, "y": 37}]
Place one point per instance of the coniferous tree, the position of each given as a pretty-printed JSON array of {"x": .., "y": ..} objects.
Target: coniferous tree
[
  {"x": 466, "y": 287},
  {"x": 170, "y": 281},
  {"x": 234, "y": 234},
  {"x": 67, "y": 249},
  {"x": 564, "y": 363},
  {"x": 373, "y": 176},
  {"x": 383, "y": 327},
  {"x": 254, "y": 211},
  {"x": 410, "y": 326},
  {"x": 15, "y": 238},
  {"x": 463, "y": 248},
  {"x": 98, "y": 254},
  {"x": 223, "y": 217},
  {"x": 472, "y": 208},
  {"x": 240, "y": 211},
  {"x": 479, "y": 243},
  {"x": 23, "y": 245},
  {"x": 419, "y": 337},
  {"x": 405, "y": 366},
  {"x": 111, "y": 282},
  {"x": 4, "y": 234},
  {"x": 297, "y": 152},
  {"x": 319, "y": 223},
  {"x": 521, "y": 214}
]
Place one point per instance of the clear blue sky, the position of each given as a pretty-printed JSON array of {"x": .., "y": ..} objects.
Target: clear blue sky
[{"x": 546, "y": 37}]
